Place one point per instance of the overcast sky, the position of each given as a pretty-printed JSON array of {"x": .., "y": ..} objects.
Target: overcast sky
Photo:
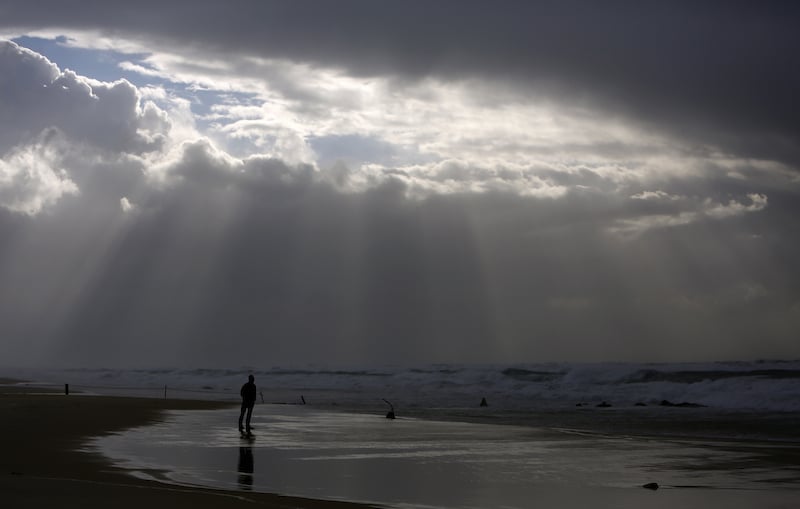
[{"x": 272, "y": 183}]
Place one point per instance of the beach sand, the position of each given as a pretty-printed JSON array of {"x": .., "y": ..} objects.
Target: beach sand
[{"x": 41, "y": 464}]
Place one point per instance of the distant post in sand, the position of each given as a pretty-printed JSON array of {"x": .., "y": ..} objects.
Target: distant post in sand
[{"x": 66, "y": 389}]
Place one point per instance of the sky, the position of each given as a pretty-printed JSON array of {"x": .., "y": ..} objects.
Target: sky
[{"x": 268, "y": 183}]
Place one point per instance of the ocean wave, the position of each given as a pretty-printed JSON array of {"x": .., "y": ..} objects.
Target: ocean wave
[
  {"x": 761, "y": 385},
  {"x": 531, "y": 375},
  {"x": 689, "y": 377}
]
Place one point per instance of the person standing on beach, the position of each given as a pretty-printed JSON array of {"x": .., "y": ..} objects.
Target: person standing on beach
[{"x": 248, "y": 393}]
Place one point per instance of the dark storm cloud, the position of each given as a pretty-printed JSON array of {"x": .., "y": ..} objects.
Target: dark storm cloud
[{"x": 719, "y": 73}]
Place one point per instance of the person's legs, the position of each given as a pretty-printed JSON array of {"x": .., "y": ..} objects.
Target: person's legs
[
  {"x": 241, "y": 417},
  {"x": 249, "y": 415}
]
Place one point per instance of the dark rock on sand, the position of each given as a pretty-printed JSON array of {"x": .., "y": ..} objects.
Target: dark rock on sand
[{"x": 651, "y": 486}]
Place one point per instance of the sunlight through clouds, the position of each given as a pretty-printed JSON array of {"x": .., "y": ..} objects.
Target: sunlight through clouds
[
  {"x": 438, "y": 178},
  {"x": 439, "y": 136}
]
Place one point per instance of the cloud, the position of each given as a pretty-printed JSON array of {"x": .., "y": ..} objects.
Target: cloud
[
  {"x": 126, "y": 205},
  {"x": 30, "y": 181},
  {"x": 699, "y": 210},
  {"x": 484, "y": 244},
  {"x": 654, "y": 195},
  {"x": 107, "y": 116},
  {"x": 70, "y": 133},
  {"x": 735, "y": 208},
  {"x": 708, "y": 74},
  {"x": 458, "y": 177}
]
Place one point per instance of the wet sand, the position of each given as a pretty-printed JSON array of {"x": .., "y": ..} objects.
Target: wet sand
[
  {"x": 41, "y": 464},
  {"x": 414, "y": 463}
]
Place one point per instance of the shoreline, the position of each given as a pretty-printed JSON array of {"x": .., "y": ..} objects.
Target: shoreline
[
  {"x": 43, "y": 464},
  {"x": 48, "y": 461}
]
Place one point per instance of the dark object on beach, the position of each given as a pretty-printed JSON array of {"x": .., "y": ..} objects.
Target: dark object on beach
[
  {"x": 578, "y": 404},
  {"x": 390, "y": 413},
  {"x": 302, "y": 399},
  {"x": 604, "y": 404},
  {"x": 651, "y": 486},
  {"x": 640, "y": 404},
  {"x": 483, "y": 402},
  {"x": 685, "y": 404}
]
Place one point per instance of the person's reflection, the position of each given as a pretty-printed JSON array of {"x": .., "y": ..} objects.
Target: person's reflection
[{"x": 245, "y": 468}]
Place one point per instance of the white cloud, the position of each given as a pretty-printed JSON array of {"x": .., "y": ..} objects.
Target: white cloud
[
  {"x": 735, "y": 208},
  {"x": 109, "y": 116},
  {"x": 655, "y": 195},
  {"x": 30, "y": 180},
  {"x": 68, "y": 127},
  {"x": 427, "y": 119},
  {"x": 458, "y": 177},
  {"x": 639, "y": 225},
  {"x": 698, "y": 210},
  {"x": 126, "y": 205}
]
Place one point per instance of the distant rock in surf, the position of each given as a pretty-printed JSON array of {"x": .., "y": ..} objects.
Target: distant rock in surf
[
  {"x": 640, "y": 404},
  {"x": 651, "y": 486},
  {"x": 604, "y": 404},
  {"x": 483, "y": 402}
]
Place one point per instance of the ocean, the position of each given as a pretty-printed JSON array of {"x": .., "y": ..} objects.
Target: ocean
[
  {"x": 725, "y": 430},
  {"x": 757, "y": 385}
]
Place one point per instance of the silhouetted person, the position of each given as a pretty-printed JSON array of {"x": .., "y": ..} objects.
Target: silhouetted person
[{"x": 248, "y": 394}]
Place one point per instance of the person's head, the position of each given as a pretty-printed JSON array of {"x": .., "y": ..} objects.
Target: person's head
[{"x": 251, "y": 378}]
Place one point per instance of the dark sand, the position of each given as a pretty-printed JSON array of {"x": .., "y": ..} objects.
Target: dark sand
[{"x": 41, "y": 464}]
